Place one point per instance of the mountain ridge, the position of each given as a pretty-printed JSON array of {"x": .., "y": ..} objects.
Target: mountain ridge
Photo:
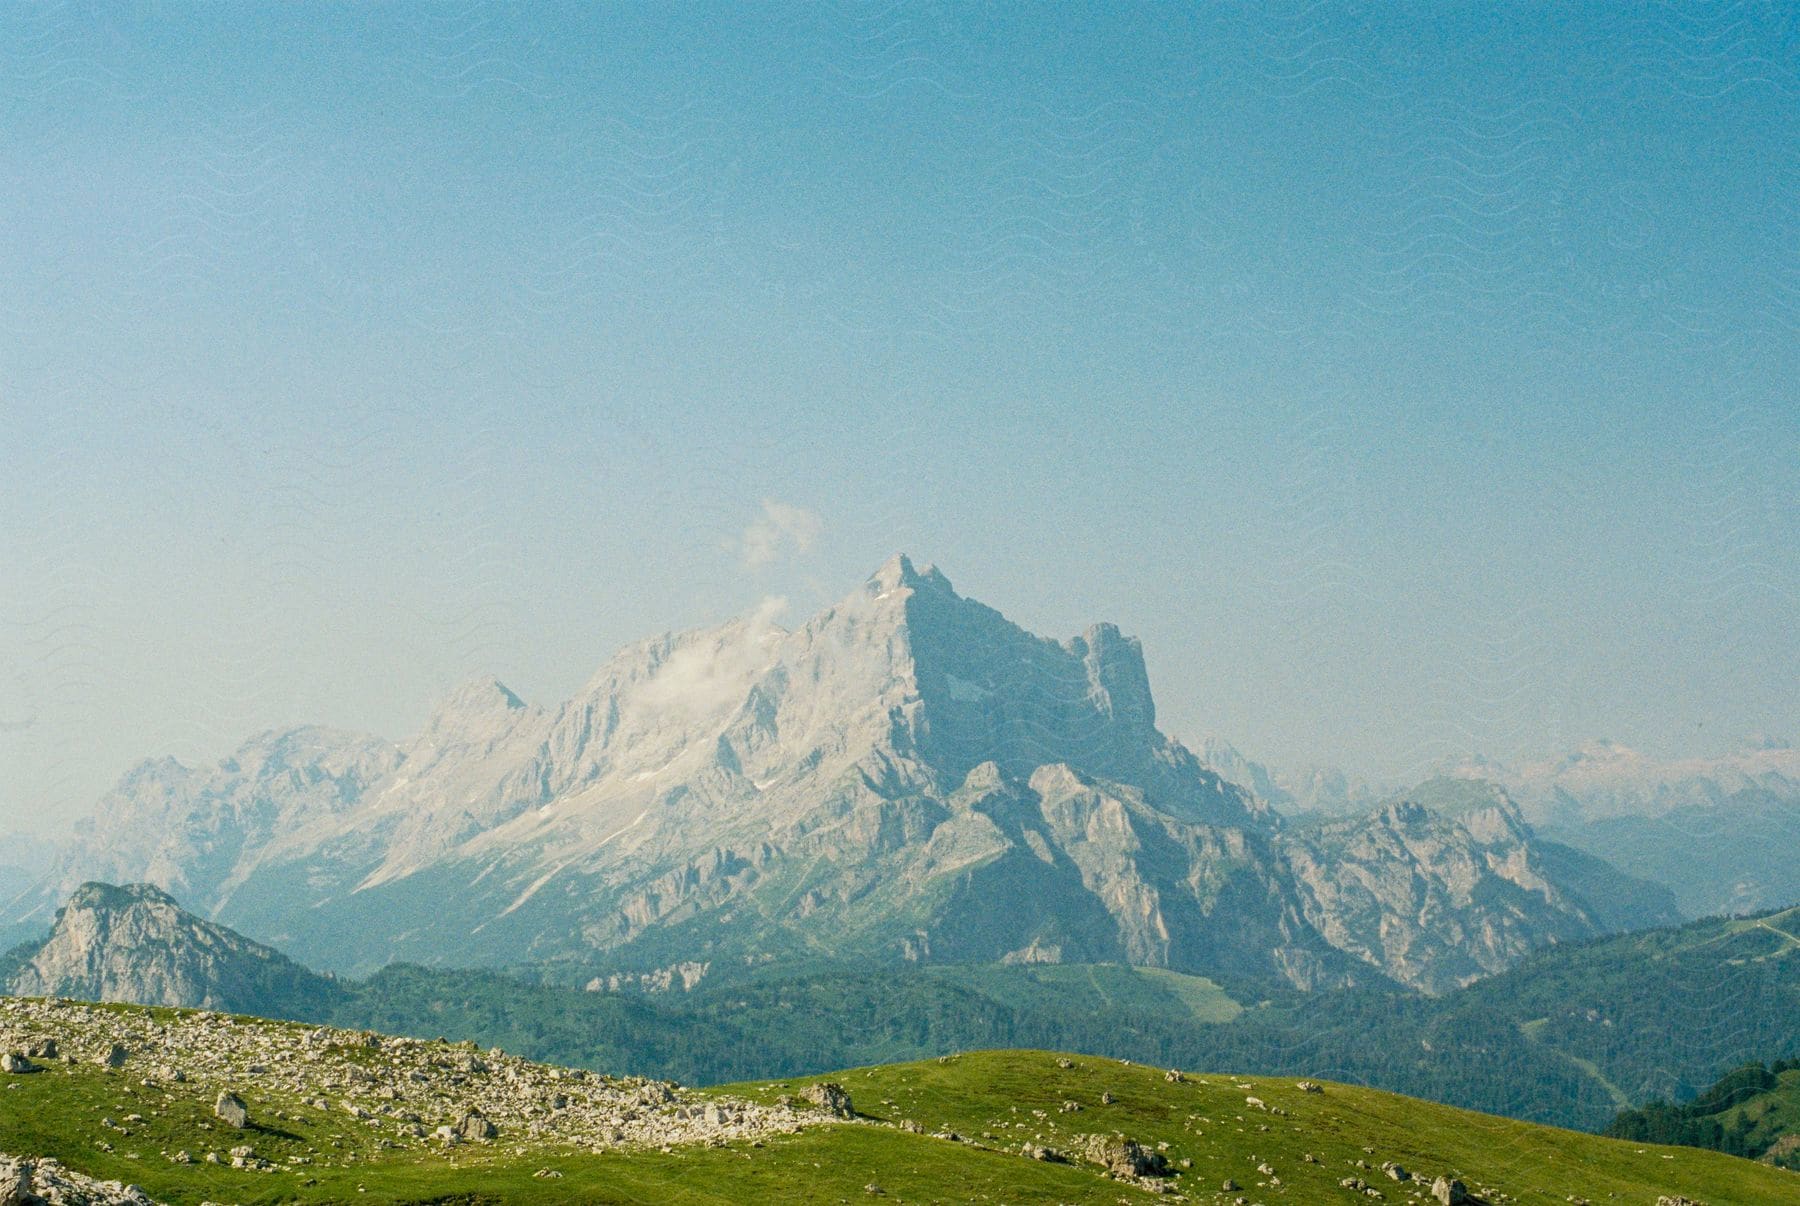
[{"x": 873, "y": 781}]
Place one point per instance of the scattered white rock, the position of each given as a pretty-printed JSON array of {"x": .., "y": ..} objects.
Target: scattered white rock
[
  {"x": 403, "y": 1089},
  {"x": 33, "y": 1182}
]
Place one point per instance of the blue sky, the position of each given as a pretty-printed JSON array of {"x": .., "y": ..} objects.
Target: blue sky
[{"x": 1413, "y": 381}]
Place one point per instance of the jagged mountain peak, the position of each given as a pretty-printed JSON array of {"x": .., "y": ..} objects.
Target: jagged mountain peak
[
  {"x": 477, "y": 710},
  {"x": 1602, "y": 752},
  {"x": 1605, "y": 779},
  {"x": 481, "y": 693},
  {"x": 906, "y": 774},
  {"x": 898, "y": 571},
  {"x": 97, "y": 895},
  {"x": 135, "y": 943}
]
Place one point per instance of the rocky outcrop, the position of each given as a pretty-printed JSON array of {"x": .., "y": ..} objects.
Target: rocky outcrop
[
  {"x": 1123, "y": 1157},
  {"x": 136, "y": 944},
  {"x": 830, "y": 1097},
  {"x": 43, "y": 1182},
  {"x": 416, "y": 1094},
  {"x": 1449, "y": 1191},
  {"x": 230, "y": 1109}
]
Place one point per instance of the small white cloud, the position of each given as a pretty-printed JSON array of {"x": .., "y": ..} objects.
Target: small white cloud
[
  {"x": 781, "y": 528},
  {"x": 718, "y": 668}
]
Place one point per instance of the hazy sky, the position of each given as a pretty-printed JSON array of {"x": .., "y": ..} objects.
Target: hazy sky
[{"x": 1412, "y": 381}]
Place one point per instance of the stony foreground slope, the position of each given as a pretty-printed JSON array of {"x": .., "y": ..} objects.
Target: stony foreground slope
[{"x": 149, "y": 1098}]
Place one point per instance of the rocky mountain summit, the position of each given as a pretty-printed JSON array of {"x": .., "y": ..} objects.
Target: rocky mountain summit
[
  {"x": 906, "y": 776},
  {"x": 1448, "y": 883},
  {"x": 134, "y": 943}
]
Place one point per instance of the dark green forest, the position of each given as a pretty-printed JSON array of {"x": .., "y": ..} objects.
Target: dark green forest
[
  {"x": 1749, "y": 1112},
  {"x": 1571, "y": 1036}
]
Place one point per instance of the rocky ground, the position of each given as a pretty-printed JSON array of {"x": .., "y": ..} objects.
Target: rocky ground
[
  {"x": 259, "y": 1075},
  {"x": 30, "y": 1182}
]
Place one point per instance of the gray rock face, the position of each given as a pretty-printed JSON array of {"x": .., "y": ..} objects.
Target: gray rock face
[
  {"x": 135, "y": 944},
  {"x": 1449, "y": 1191},
  {"x": 870, "y": 783},
  {"x": 230, "y": 1109},
  {"x": 473, "y": 1126}
]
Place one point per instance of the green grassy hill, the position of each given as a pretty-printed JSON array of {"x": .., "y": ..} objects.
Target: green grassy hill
[
  {"x": 1752, "y": 1111},
  {"x": 337, "y": 1116}
]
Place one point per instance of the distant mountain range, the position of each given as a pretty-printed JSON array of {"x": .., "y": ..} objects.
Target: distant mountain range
[
  {"x": 1717, "y": 832},
  {"x": 1721, "y": 833},
  {"x": 1316, "y": 790},
  {"x": 906, "y": 777},
  {"x": 1604, "y": 780}
]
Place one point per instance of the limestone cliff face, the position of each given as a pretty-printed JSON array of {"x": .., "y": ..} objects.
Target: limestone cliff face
[
  {"x": 906, "y": 775},
  {"x": 135, "y": 944}
]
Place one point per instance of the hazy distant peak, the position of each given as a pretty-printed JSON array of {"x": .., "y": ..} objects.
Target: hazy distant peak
[
  {"x": 475, "y": 703},
  {"x": 1605, "y": 778},
  {"x": 483, "y": 691},
  {"x": 1453, "y": 794},
  {"x": 899, "y": 572},
  {"x": 276, "y": 751},
  {"x": 1602, "y": 752}
]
